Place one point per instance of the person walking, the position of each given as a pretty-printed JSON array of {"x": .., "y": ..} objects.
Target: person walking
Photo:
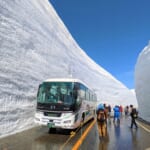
[
  {"x": 116, "y": 114},
  {"x": 101, "y": 121},
  {"x": 134, "y": 115},
  {"x": 126, "y": 111},
  {"x": 120, "y": 109},
  {"x": 109, "y": 113}
]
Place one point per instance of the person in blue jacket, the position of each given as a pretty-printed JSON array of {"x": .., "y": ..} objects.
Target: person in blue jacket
[{"x": 116, "y": 114}]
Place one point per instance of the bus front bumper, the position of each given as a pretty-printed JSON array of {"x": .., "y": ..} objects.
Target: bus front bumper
[{"x": 55, "y": 123}]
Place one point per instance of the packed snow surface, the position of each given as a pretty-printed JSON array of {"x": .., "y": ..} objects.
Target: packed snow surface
[
  {"x": 142, "y": 82},
  {"x": 35, "y": 45}
]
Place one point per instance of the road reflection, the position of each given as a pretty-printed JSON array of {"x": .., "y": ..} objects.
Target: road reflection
[
  {"x": 119, "y": 137},
  {"x": 103, "y": 143},
  {"x": 117, "y": 130},
  {"x": 134, "y": 137},
  {"x": 50, "y": 141}
]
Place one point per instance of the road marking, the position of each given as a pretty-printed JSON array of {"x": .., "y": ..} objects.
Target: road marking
[
  {"x": 62, "y": 147},
  {"x": 143, "y": 127},
  {"x": 72, "y": 134},
  {"x": 79, "y": 142}
]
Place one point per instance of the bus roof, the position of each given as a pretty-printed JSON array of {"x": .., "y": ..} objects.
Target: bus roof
[{"x": 65, "y": 80}]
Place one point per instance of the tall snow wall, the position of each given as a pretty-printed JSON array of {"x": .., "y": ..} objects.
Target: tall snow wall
[{"x": 36, "y": 45}]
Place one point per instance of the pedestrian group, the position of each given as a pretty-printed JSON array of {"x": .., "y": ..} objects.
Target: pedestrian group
[{"x": 104, "y": 117}]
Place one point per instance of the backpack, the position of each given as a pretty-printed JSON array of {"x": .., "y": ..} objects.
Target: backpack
[
  {"x": 135, "y": 113},
  {"x": 101, "y": 116}
]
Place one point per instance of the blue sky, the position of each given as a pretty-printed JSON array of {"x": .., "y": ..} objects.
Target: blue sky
[{"x": 111, "y": 32}]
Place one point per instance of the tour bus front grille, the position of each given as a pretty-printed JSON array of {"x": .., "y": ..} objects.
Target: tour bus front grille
[{"x": 52, "y": 114}]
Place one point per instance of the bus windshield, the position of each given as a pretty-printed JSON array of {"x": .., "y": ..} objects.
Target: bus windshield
[{"x": 56, "y": 92}]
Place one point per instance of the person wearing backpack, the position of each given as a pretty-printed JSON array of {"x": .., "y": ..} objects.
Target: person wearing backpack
[
  {"x": 101, "y": 122},
  {"x": 134, "y": 115},
  {"x": 116, "y": 115}
]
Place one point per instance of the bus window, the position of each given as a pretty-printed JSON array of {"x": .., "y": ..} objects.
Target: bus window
[
  {"x": 75, "y": 91},
  {"x": 68, "y": 99},
  {"x": 76, "y": 95},
  {"x": 52, "y": 94},
  {"x": 87, "y": 95},
  {"x": 63, "y": 90},
  {"x": 53, "y": 90},
  {"x": 41, "y": 94},
  {"x": 82, "y": 92}
]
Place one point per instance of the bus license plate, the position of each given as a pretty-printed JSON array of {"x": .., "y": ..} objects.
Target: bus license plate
[{"x": 50, "y": 125}]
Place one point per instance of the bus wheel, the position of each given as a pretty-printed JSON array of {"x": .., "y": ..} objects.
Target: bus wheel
[{"x": 52, "y": 130}]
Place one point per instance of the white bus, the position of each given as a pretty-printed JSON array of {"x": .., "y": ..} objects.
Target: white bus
[{"x": 64, "y": 103}]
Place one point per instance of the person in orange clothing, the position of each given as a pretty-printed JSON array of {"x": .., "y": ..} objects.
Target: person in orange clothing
[{"x": 121, "y": 110}]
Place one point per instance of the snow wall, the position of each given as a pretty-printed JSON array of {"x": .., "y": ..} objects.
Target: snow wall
[{"x": 35, "y": 45}]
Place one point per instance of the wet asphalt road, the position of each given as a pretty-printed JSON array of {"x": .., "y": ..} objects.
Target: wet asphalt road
[{"x": 120, "y": 137}]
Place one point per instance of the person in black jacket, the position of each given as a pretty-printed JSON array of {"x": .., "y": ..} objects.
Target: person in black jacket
[{"x": 133, "y": 115}]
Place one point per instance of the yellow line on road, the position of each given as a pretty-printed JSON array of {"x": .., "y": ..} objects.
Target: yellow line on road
[
  {"x": 79, "y": 142},
  {"x": 62, "y": 147},
  {"x": 72, "y": 134}
]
